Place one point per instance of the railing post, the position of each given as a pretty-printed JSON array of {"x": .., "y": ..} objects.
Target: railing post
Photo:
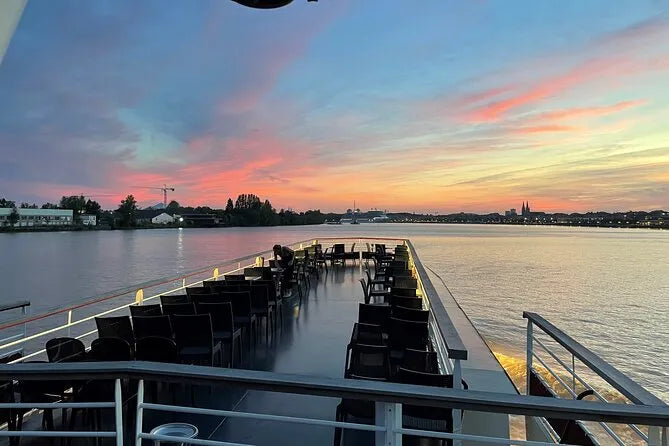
[
  {"x": 139, "y": 419},
  {"x": 118, "y": 410},
  {"x": 457, "y": 413},
  {"x": 388, "y": 415},
  {"x": 573, "y": 373},
  {"x": 665, "y": 440},
  {"x": 24, "y": 313},
  {"x": 528, "y": 367},
  {"x": 654, "y": 436}
]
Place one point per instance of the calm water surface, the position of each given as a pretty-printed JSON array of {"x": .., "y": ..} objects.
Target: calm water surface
[{"x": 608, "y": 288}]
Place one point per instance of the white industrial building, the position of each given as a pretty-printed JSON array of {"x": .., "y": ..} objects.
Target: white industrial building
[
  {"x": 38, "y": 217},
  {"x": 162, "y": 219}
]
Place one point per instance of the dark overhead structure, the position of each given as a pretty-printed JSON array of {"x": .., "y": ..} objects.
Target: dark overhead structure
[{"x": 266, "y": 4}]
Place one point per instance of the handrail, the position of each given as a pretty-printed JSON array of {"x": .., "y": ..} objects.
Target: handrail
[
  {"x": 454, "y": 345},
  {"x": 122, "y": 291},
  {"x": 652, "y": 415},
  {"x": 621, "y": 382},
  {"x": 15, "y": 305}
]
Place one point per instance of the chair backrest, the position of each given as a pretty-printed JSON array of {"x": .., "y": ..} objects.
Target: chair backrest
[
  {"x": 222, "y": 317},
  {"x": 193, "y": 330},
  {"x": 221, "y": 287},
  {"x": 339, "y": 248},
  {"x": 241, "y": 302},
  {"x": 192, "y": 290},
  {"x": 206, "y": 298},
  {"x": 365, "y": 290},
  {"x": 152, "y": 326},
  {"x": 175, "y": 299},
  {"x": 369, "y": 362},
  {"x": 172, "y": 309},
  {"x": 65, "y": 349},
  {"x": 420, "y": 360},
  {"x": 374, "y": 314},
  {"x": 407, "y": 376},
  {"x": 405, "y": 282},
  {"x": 156, "y": 349},
  {"x": 408, "y": 292},
  {"x": 411, "y": 314},
  {"x": 110, "y": 349},
  {"x": 270, "y": 285},
  {"x": 145, "y": 310},
  {"x": 408, "y": 334},
  {"x": 235, "y": 278},
  {"x": 369, "y": 334},
  {"x": 406, "y": 302},
  {"x": 116, "y": 327},
  {"x": 259, "y": 297}
]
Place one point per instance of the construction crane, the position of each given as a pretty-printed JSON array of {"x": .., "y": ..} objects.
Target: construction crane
[{"x": 165, "y": 188}]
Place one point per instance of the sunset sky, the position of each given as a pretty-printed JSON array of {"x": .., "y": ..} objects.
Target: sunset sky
[{"x": 432, "y": 106}]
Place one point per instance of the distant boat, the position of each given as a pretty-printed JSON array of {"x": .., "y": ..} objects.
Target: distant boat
[{"x": 333, "y": 222}]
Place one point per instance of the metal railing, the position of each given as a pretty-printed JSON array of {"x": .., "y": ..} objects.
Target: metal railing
[
  {"x": 627, "y": 387},
  {"x": 80, "y": 317},
  {"x": 389, "y": 399},
  {"x": 117, "y": 405},
  {"x": 21, "y": 329}
]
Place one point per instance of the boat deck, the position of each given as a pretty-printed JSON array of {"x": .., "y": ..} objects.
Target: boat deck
[{"x": 312, "y": 341}]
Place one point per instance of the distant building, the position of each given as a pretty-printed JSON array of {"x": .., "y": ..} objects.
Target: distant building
[
  {"x": 145, "y": 216},
  {"x": 38, "y": 217},
  {"x": 88, "y": 219},
  {"x": 202, "y": 220},
  {"x": 162, "y": 219},
  {"x": 511, "y": 213},
  {"x": 525, "y": 211}
]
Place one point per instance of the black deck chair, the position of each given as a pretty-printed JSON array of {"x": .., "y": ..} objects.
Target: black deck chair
[
  {"x": 223, "y": 326},
  {"x": 261, "y": 307},
  {"x": 408, "y": 334},
  {"x": 116, "y": 327},
  {"x": 152, "y": 326},
  {"x": 235, "y": 278},
  {"x": 368, "y": 334},
  {"x": 274, "y": 294},
  {"x": 192, "y": 290},
  {"x": 7, "y": 396},
  {"x": 406, "y": 302},
  {"x": 65, "y": 350},
  {"x": 195, "y": 339},
  {"x": 410, "y": 314},
  {"x": 175, "y": 299},
  {"x": 222, "y": 287},
  {"x": 424, "y": 417},
  {"x": 397, "y": 291},
  {"x": 368, "y": 362},
  {"x": 37, "y": 391},
  {"x": 156, "y": 349},
  {"x": 338, "y": 254},
  {"x": 374, "y": 314},
  {"x": 352, "y": 254},
  {"x": 405, "y": 282},
  {"x": 244, "y": 317},
  {"x": 420, "y": 360},
  {"x": 102, "y": 349},
  {"x": 182, "y": 309},
  {"x": 211, "y": 298},
  {"x": 145, "y": 310}
]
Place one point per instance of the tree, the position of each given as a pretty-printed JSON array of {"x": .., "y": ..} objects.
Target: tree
[
  {"x": 93, "y": 208},
  {"x": 173, "y": 207},
  {"x": 49, "y": 206},
  {"x": 229, "y": 207},
  {"x": 127, "y": 211},
  {"x": 75, "y": 202},
  {"x": 13, "y": 217},
  {"x": 25, "y": 205},
  {"x": 6, "y": 203}
]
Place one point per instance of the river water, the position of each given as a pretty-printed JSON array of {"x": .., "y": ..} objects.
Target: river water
[{"x": 608, "y": 288}]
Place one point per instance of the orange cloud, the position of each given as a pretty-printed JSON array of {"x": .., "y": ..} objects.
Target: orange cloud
[
  {"x": 549, "y": 128},
  {"x": 581, "y": 112}
]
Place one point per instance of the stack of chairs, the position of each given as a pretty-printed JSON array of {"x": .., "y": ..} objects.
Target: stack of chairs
[{"x": 390, "y": 342}]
